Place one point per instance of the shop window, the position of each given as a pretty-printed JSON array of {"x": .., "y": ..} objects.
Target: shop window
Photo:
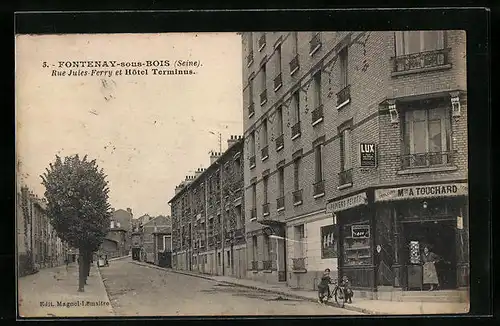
[
  {"x": 328, "y": 242},
  {"x": 426, "y": 138},
  {"x": 356, "y": 244}
]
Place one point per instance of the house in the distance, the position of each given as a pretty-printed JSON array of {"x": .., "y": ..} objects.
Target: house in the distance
[{"x": 156, "y": 237}]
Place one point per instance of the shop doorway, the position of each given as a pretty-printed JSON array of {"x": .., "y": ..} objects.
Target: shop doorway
[{"x": 439, "y": 237}]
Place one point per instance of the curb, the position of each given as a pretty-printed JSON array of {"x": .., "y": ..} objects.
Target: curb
[
  {"x": 295, "y": 296},
  {"x": 119, "y": 258},
  {"x": 106, "y": 292}
]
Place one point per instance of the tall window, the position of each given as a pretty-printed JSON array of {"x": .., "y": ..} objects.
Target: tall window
[
  {"x": 317, "y": 90},
  {"x": 299, "y": 241},
  {"x": 263, "y": 136},
  {"x": 250, "y": 90},
  {"x": 279, "y": 113},
  {"x": 427, "y": 137},
  {"x": 296, "y": 174},
  {"x": 296, "y": 106},
  {"x": 343, "y": 56},
  {"x": 295, "y": 43},
  {"x": 408, "y": 42},
  {"x": 250, "y": 42},
  {"x": 254, "y": 196},
  {"x": 263, "y": 77},
  {"x": 318, "y": 166},
  {"x": 267, "y": 247},
  {"x": 345, "y": 150},
  {"x": 254, "y": 248},
  {"x": 252, "y": 143},
  {"x": 281, "y": 181},
  {"x": 265, "y": 188},
  {"x": 240, "y": 222},
  {"x": 277, "y": 62}
]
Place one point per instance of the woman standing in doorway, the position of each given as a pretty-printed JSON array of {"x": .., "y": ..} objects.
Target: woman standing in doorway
[{"x": 429, "y": 260}]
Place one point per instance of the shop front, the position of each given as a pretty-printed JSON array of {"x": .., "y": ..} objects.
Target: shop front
[
  {"x": 416, "y": 222},
  {"x": 354, "y": 222}
]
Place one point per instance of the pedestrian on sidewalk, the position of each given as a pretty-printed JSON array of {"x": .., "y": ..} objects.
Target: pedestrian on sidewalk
[
  {"x": 66, "y": 261},
  {"x": 324, "y": 286}
]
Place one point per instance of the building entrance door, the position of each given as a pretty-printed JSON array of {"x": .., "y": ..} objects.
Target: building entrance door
[{"x": 439, "y": 237}]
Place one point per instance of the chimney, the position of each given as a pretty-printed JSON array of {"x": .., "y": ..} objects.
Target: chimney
[
  {"x": 198, "y": 172},
  {"x": 214, "y": 156},
  {"x": 129, "y": 211},
  {"x": 233, "y": 140}
]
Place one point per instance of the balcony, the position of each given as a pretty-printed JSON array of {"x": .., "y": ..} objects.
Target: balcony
[
  {"x": 345, "y": 177},
  {"x": 239, "y": 233},
  {"x": 296, "y": 130},
  {"x": 279, "y": 143},
  {"x": 262, "y": 42},
  {"x": 294, "y": 64},
  {"x": 319, "y": 188},
  {"x": 265, "y": 209},
  {"x": 253, "y": 213},
  {"x": 299, "y": 264},
  {"x": 315, "y": 43},
  {"x": 344, "y": 96},
  {"x": 252, "y": 162},
  {"x": 255, "y": 265},
  {"x": 267, "y": 265},
  {"x": 415, "y": 62},
  {"x": 251, "y": 109},
  {"x": 426, "y": 160},
  {"x": 264, "y": 153},
  {"x": 277, "y": 82},
  {"x": 263, "y": 97},
  {"x": 317, "y": 115},
  {"x": 250, "y": 58},
  {"x": 280, "y": 203},
  {"x": 297, "y": 197}
]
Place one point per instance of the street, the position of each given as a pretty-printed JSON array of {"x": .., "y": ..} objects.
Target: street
[{"x": 136, "y": 290}]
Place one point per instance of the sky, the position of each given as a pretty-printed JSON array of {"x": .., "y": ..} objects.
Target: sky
[{"x": 146, "y": 131}]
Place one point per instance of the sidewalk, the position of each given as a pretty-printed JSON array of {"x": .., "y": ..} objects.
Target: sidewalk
[
  {"x": 53, "y": 292},
  {"x": 372, "y": 307}
]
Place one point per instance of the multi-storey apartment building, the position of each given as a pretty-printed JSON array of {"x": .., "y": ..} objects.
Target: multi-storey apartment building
[
  {"x": 351, "y": 138},
  {"x": 208, "y": 221}
]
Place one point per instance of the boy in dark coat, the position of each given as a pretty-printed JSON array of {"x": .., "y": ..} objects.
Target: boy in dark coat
[{"x": 323, "y": 287}]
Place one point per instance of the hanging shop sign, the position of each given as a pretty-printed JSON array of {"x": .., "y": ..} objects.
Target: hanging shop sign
[
  {"x": 360, "y": 231},
  {"x": 346, "y": 203},
  {"x": 422, "y": 191},
  {"x": 368, "y": 155}
]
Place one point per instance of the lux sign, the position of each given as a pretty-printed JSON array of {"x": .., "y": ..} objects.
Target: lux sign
[{"x": 368, "y": 155}]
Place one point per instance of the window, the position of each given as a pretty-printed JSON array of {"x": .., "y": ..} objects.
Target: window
[
  {"x": 296, "y": 174},
  {"x": 318, "y": 170},
  {"x": 345, "y": 150},
  {"x": 218, "y": 259},
  {"x": 427, "y": 137},
  {"x": 328, "y": 242},
  {"x": 277, "y": 62},
  {"x": 279, "y": 113},
  {"x": 263, "y": 77},
  {"x": 281, "y": 181},
  {"x": 265, "y": 188},
  {"x": 317, "y": 90},
  {"x": 299, "y": 241},
  {"x": 228, "y": 258},
  {"x": 408, "y": 42},
  {"x": 250, "y": 91},
  {"x": 295, "y": 43},
  {"x": 254, "y": 248},
  {"x": 237, "y": 169},
  {"x": 296, "y": 106},
  {"x": 250, "y": 43},
  {"x": 254, "y": 196},
  {"x": 252, "y": 143},
  {"x": 267, "y": 247},
  {"x": 343, "y": 56},
  {"x": 263, "y": 137},
  {"x": 239, "y": 221}
]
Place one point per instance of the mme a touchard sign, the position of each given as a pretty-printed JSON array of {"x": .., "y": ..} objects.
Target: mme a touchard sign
[{"x": 232, "y": 174}]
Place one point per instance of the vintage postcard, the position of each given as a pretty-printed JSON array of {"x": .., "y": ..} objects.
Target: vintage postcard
[{"x": 252, "y": 173}]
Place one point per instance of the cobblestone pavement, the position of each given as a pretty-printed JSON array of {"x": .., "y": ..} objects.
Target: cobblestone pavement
[{"x": 136, "y": 290}]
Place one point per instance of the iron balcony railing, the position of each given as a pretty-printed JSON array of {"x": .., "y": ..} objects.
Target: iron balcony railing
[
  {"x": 263, "y": 97},
  {"x": 264, "y": 152},
  {"x": 315, "y": 42},
  {"x": 345, "y": 177},
  {"x": 279, "y": 142},
  {"x": 296, "y": 129},
  {"x": 319, "y": 188},
  {"x": 252, "y": 161},
  {"x": 294, "y": 64},
  {"x": 267, "y": 265},
  {"x": 423, "y": 160},
  {"x": 277, "y": 81},
  {"x": 255, "y": 265},
  {"x": 421, "y": 60},
  {"x": 344, "y": 95},
  {"x": 265, "y": 209},
  {"x": 251, "y": 109},
  {"x": 297, "y": 196},
  {"x": 280, "y": 202},
  {"x": 299, "y": 263},
  {"x": 317, "y": 113}
]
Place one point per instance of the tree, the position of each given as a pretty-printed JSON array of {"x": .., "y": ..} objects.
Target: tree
[{"x": 77, "y": 204}]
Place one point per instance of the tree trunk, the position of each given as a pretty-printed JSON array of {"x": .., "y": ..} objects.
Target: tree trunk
[{"x": 81, "y": 272}]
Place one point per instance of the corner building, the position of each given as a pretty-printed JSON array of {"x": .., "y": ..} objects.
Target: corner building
[
  {"x": 352, "y": 141},
  {"x": 208, "y": 221}
]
